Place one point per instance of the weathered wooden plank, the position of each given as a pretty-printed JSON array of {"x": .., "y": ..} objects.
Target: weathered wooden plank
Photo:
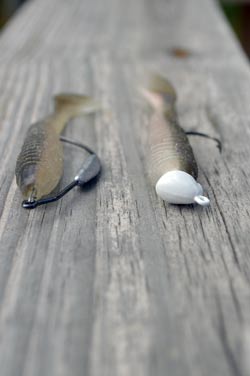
[{"x": 112, "y": 281}]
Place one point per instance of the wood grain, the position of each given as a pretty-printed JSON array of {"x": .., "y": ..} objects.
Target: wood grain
[{"x": 112, "y": 281}]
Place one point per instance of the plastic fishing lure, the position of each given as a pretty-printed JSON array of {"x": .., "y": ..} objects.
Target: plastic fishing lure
[
  {"x": 173, "y": 168},
  {"x": 39, "y": 165}
]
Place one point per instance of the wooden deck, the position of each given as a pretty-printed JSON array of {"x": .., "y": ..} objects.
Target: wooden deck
[{"x": 111, "y": 281}]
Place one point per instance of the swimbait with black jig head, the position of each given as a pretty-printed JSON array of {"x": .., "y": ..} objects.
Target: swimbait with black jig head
[
  {"x": 39, "y": 165},
  {"x": 173, "y": 168}
]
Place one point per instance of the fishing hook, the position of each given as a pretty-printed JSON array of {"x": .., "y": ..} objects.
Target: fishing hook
[
  {"x": 90, "y": 169},
  {"x": 194, "y": 133}
]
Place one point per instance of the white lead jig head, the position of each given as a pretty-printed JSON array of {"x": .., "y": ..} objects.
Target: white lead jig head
[{"x": 178, "y": 187}]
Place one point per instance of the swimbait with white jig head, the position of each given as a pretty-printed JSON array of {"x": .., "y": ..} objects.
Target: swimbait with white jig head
[
  {"x": 39, "y": 165},
  {"x": 173, "y": 168}
]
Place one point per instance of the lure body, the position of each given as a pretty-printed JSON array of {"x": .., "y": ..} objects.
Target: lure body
[
  {"x": 39, "y": 165},
  {"x": 172, "y": 165},
  {"x": 169, "y": 146}
]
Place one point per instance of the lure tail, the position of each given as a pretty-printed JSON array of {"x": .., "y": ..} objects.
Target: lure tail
[
  {"x": 159, "y": 93},
  {"x": 162, "y": 86},
  {"x": 69, "y": 106}
]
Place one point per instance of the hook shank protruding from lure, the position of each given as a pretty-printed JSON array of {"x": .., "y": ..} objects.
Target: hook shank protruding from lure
[
  {"x": 201, "y": 134},
  {"x": 89, "y": 170}
]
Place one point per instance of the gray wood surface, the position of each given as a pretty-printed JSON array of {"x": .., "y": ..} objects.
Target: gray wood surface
[{"x": 111, "y": 281}]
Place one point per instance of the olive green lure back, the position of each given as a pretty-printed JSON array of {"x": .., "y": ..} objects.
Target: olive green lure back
[{"x": 39, "y": 165}]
